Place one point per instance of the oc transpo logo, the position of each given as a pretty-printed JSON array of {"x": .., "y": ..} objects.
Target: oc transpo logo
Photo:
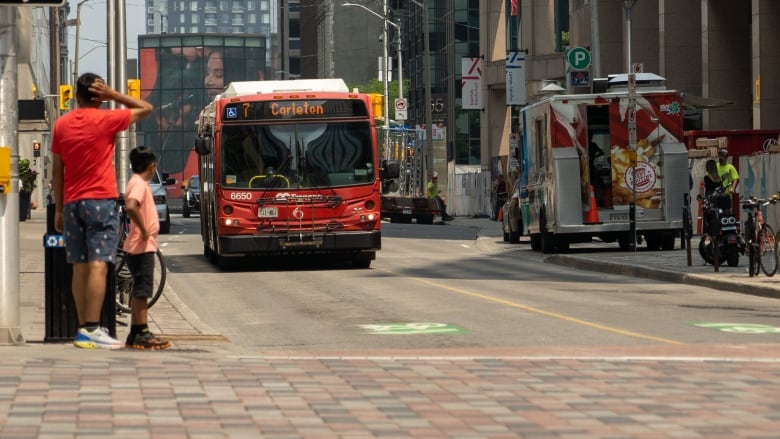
[
  {"x": 297, "y": 213},
  {"x": 645, "y": 177}
]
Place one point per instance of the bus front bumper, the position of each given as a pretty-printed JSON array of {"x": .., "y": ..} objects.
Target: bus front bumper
[{"x": 301, "y": 243}]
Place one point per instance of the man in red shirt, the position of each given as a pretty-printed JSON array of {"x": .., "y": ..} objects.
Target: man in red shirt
[{"x": 85, "y": 193}]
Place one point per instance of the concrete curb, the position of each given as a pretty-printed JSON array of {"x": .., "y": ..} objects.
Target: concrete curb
[{"x": 645, "y": 272}]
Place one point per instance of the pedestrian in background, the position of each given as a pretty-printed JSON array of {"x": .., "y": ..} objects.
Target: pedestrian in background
[
  {"x": 727, "y": 172},
  {"x": 140, "y": 247},
  {"x": 85, "y": 194},
  {"x": 433, "y": 192},
  {"x": 500, "y": 196}
]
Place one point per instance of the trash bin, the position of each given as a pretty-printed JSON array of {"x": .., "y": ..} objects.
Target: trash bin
[{"x": 61, "y": 321}]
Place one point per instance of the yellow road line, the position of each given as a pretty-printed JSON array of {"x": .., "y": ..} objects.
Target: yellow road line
[{"x": 548, "y": 313}]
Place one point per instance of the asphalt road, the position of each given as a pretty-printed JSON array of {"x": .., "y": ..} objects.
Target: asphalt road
[{"x": 432, "y": 288}]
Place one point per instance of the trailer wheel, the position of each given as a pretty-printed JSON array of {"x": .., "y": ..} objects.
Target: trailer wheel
[
  {"x": 667, "y": 241},
  {"x": 653, "y": 241},
  {"x": 547, "y": 238},
  {"x": 561, "y": 243},
  {"x": 536, "y": 242},
  {"x": 623, "y": 241}
]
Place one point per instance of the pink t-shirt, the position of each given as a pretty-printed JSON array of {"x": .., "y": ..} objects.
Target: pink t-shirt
[
  {"x": 84, "y": 140},
  {"x": 138, "y": 189}
]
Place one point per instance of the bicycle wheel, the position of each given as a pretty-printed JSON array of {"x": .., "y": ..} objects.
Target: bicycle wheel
[
  {"x": 124, "y": 281},
  {"x": 766, "y": 247},
  {"x": 160, "y": 273}
]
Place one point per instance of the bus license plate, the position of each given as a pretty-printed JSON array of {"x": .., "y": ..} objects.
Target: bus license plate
[{"x": 268, "y": 212}]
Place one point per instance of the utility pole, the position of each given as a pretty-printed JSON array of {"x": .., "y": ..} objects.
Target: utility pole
[
  {"x": 117, "y": 54},
  {"x": 10, "y": 328}
]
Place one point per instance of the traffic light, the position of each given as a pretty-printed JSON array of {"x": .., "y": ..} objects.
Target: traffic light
[
  {"x": 134, "y": 88},
  {"x": 377, "y": 101},
  {"x": 66, "y": 94}
]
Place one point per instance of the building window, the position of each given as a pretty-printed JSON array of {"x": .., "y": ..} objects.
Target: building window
[{"x": 561, "y": 25}]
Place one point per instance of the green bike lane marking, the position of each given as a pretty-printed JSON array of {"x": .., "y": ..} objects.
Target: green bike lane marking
[
  {"x": 411, "y": 328},
  {"x": 535, "y": 310},
  {"x": 739, "y": 328}
]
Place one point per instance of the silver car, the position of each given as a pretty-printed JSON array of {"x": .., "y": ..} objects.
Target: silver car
[{"x": 160, "y": 193}]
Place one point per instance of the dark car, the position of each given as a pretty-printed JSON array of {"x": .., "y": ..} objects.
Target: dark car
[{"x": 191, "y": 201}]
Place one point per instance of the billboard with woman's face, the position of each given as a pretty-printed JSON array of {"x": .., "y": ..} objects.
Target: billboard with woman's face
[{"x": 179, "y": 75}]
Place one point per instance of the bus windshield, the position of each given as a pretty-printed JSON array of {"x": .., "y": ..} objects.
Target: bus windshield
[{"x": 296, "y": 155}]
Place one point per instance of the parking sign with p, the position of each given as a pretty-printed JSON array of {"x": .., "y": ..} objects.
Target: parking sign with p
[{"x": 578, "y": 58}]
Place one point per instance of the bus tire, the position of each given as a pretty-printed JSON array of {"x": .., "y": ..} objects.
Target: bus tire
[{"x": 363, "y": 260}]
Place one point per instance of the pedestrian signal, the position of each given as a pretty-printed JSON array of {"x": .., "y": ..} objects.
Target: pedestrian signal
[
  {"x": 134, "y": 88},
  {"x": 66, "y": 95},
  {"x": 36, "y": 148}
]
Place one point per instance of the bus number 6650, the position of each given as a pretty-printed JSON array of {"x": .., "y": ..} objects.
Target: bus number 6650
[{"x": 240, "y": 195}]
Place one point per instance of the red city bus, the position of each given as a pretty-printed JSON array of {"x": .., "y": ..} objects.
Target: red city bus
[{"x": 289, "y": 168}]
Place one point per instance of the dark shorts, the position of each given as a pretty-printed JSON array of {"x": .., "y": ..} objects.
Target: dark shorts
[
  {"x": 91, "y": 230},
  {"x": 142, "y": 268}
]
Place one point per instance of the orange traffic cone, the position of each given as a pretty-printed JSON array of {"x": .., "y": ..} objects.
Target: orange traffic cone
[{"x": 592, "y": 217}]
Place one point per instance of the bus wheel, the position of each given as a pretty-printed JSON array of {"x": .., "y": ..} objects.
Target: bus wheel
[{"x": 362, "y": 260}]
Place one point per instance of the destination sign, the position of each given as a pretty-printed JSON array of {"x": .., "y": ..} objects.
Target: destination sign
[{"x": 295, "y": 109}]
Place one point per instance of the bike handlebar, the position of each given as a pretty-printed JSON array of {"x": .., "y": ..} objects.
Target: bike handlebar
[{"x": 752, "y": 202}]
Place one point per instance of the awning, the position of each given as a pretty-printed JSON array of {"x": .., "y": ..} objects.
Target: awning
[{"x": 703, "y": 103}]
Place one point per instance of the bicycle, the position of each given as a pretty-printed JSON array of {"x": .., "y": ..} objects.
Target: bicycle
[
  {"x": 124, "y": 279},
  {"x": 761, "y": 241}
]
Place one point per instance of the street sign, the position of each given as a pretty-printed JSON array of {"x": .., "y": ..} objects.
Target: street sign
[
  {"x": 400, "y": 104},
  {"x": 32, "y": 3},
  {"x": 578, "y": 58},
  {"x": 400, "y": 114}
]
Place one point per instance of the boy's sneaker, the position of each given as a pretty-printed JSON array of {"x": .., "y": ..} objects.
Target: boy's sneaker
[
  {"x": 97, "y": 339},
  {"x": 146, "y": 341}
]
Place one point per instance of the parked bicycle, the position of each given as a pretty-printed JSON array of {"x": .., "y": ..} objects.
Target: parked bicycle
[
  {"x": 760, "y": 237},
  {"x": 124, "y": 279}
]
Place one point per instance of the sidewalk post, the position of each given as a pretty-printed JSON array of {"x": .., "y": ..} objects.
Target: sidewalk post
[{"x": 61, "y": 320}]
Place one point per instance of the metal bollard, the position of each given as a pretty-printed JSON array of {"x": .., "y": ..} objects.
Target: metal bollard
[{"x": 61, "y": 320}]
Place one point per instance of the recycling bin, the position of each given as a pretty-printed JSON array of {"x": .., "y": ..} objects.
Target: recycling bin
[{"x": 61, "y": 319}]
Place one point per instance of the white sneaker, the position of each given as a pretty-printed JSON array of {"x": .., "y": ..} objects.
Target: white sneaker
[{"x": 97, "y": 339}]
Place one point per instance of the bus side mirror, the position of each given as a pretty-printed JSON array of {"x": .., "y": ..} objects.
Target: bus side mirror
[
  {"x": 203, "y": 145},
  {"x": 390, "y": 169}
]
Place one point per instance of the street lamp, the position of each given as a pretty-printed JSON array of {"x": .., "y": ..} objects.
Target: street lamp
[
  {"x": 427, "y": 79},
  {"x": 78, "y": 39},
  {"x": 385, "y": 63},
  {"x": 628, "y": 5}
]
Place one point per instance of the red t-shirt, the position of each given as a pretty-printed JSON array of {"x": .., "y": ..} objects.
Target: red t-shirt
[{"x": 84, "y": 139}]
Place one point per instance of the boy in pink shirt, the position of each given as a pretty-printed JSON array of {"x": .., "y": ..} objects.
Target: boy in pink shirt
[{"x": 140, "y": 247}]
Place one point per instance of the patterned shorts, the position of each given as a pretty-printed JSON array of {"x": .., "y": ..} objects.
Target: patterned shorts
[{"x": 91, "y": 230}]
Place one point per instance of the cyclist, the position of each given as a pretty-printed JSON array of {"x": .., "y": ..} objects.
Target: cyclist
[{"x": 141, "y": 246}]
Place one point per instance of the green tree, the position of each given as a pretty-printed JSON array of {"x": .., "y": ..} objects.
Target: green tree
[
  {"x": 27, "y": 176},
  {"x": 377, "y": 86}
]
